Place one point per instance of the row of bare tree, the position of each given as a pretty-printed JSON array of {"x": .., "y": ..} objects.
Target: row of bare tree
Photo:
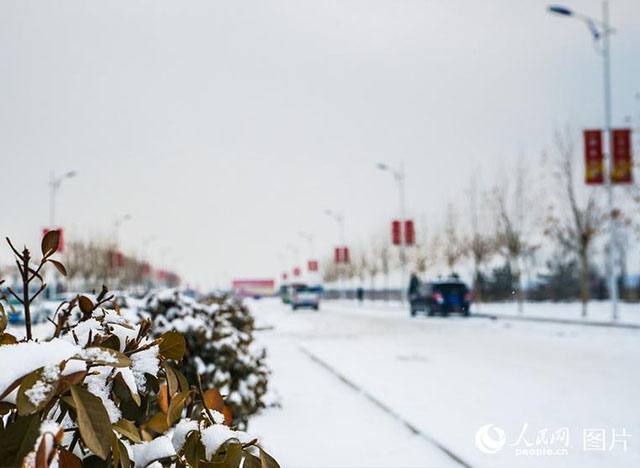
[{"x": 526, "y": 214}]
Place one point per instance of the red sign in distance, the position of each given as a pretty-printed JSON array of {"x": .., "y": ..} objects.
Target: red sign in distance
[
  {"x": 621, "y": 149},
  {"x": 593, "y": 157}
]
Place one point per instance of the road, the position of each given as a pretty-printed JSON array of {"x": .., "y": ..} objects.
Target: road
[{"x": 368, "y": 387}]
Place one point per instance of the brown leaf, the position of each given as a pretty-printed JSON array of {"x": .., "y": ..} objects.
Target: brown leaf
[
  {"x": 7, "y": 338},
  {"x": 213, "y": 400},
  {"x": 172, "y": 345},
  {"x": 67, "y": 459},
  {"x": 93, "y": 421},
  {"x": 158, "y": 423},
  {"x": 163, "y": 398},
  {"x": 226, "y": 412},
  {"x": 50, "y": 243},
  {"x": 86, "y": 305},
  {"x": 60, "y": 267},
  {"x": 176, "y": 406}
]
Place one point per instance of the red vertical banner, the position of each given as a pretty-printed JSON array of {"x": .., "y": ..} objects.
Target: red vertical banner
[
  {"x": 284, "y": 276},
  {"x": 409, "y": 232},
  {"x": 296, "y": 271},
  {"x": 593, "y": 157},
  {"x": 396, "y": 232},
  {"x": 345, "y": 254},
  {"x": 621, "y": 151},
  {"x": 312, "y": 265},
  {"x": 337, "y": 255}
]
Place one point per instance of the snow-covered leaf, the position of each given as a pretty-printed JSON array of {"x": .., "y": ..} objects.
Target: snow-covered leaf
[
  {"x": 36, "y": 389},
  {"x": 103, "y": 357}
]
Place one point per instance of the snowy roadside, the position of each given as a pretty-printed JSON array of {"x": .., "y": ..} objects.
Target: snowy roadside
[
  {"x": 598, "y": 311},
  {"x": 324, "y": 423},
  {"x": 449, "y": 377}
]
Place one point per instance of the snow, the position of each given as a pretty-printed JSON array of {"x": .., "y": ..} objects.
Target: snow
[
  {"x": 447, "y": 377},
  {"x": 22, "y": 358},
  {"x": 214, "y": 436},
  {"x": 97, "y": 354},
  {"x": 181, "y": 431},
  {"x": 97, "y": 384},
  {"x": 145, "y": 362},
  {"x": 146, "y": 452}
]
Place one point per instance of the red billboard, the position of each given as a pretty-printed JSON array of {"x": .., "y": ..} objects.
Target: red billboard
[
  {"x": 621, "y": 149},
  {"x": 254, "y": 287},
  {"x": 593, "y": 157}
]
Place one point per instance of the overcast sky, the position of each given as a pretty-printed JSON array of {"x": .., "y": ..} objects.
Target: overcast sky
[{"x": 225, "y": 128}]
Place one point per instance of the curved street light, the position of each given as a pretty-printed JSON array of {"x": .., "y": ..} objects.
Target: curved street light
[
  {"x": 54, "y": 186},
  {"x": 600, "y": 30}
]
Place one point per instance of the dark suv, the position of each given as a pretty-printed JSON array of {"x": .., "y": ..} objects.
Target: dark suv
[{"x": 441, "y": 297}]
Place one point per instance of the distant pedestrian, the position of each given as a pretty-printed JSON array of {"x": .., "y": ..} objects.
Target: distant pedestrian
[
  {"x": 360, "y": 294},
  {"x": 414, "y": 282}
]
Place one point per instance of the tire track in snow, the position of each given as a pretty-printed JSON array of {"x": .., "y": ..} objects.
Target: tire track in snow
[{"x": 413, "y": 429}]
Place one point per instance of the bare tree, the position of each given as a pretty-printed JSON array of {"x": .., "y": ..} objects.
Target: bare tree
[
  {"x": 361, "y": 266},
  {"x": 383, "y": 253},
  {"x": 454, "y": 245},
  {"x": 373, "y": 268},
  {"x": 481, "y": 245},
  {"x": 573, "y": 225},
  {"x": 515, "y": 216},
  {"x": 427, "y": 253}
]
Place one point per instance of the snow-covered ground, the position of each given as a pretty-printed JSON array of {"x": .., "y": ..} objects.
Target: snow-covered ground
[
  {"x": 597, "y": 311},
  {"x": 446, "y": 377}
]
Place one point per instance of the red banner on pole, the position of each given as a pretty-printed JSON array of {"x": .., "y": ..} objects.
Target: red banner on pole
[
  {"x": 284, "y": 276},
  {"x": 312, "y": 265},
  {"x": 396, "y": 232},
  {"x": 341, "y": 255},
  {"x": 296, "y": 271},
  {"x": 409, "y": 232},
  {"x": 621, "y": 149},
  {"x": 593, "y": 157}
]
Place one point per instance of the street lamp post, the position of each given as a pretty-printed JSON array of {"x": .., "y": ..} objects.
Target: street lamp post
[
  {"x": 54, "y": 186},
  {"x": 339, "y": 218},
  {"x": 399, "y": 176},
  {"x": 602, "y": 30},
  {"x": 309, "y": 238}
]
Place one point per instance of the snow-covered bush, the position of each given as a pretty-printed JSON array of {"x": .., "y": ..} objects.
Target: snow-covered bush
[
  {"x": 102, "y": 392},
  {"x": 220, "y": 347}
]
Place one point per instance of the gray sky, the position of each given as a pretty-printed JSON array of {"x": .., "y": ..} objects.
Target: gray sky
[{"x": 225, "y": 128}]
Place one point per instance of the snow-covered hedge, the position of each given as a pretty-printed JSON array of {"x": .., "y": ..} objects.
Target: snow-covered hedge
[
  {"x": 220, "y": 347},
  {"x": 103, "y": 392}
]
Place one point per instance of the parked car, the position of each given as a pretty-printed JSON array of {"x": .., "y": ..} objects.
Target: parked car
[
  {"x": 441, "y": 297},
  {"x": 306, "y": 296}
]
